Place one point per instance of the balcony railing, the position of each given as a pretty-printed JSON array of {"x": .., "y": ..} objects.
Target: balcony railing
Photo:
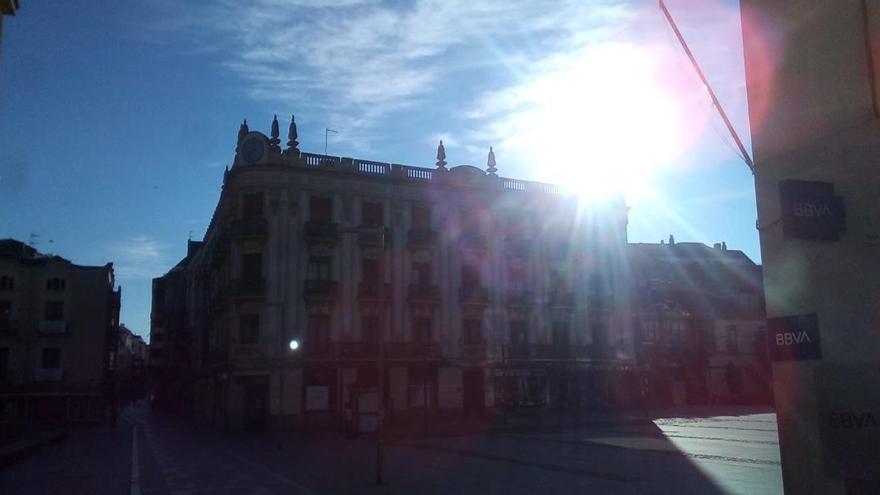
[
  {"x": 473, "y": 351},
  {"x": 320, "y": 289},
  {"x": 48, "y": 374},
  {"x": 53, "y": 327},
  {"x": 520, "y": 298},
  {"x": 423, "y": 293},
  {"x": 373, "y": 239},
  {"x": 560, "y": 297},
  {"x": 473, "y": 241},
  {"x": 371, "y": 291},
  {"x": 474, "y": 295},
  {"x": 255, "y": 287},
  {"x": 321, "y": 232},
  {"x": 421, "y": 237},
  {"x": 249, "y": 228}
]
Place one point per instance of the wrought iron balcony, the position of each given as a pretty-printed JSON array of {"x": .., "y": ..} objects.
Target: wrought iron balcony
[
  {"x": 372, "y": 291},
  {"x": 423, "y": 293},
  {"x": 520, "y": 298},
  {"x": 249, "y": 288},
  {"x": 560, "y": 297},
  {"x": 327, "y": 232},
  {"x": 421, "y": 237},
  {"x": 374, "y": 239},
  {"x": 473, "y": 295},
  {"x": 320, "y": 289},
  {"x": 249, "y": 228},
  {"x": 53, "y": 327},
  {"x": 472, "y": 240}
]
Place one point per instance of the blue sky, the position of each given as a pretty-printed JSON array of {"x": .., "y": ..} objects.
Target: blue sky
[{"x": 117, "y": 118}]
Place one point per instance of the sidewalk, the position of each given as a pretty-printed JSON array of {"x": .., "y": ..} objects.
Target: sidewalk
[{"x": 26, "y": 443}]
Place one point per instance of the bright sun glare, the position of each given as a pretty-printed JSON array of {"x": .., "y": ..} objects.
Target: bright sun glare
[{"x": 603, "y": 123}]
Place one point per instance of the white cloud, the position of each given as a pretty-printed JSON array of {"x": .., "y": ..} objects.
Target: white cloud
[{"x": 138, "y": 257}]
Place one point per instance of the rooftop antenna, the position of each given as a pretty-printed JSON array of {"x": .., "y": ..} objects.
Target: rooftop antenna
[
  {"x": 326, "y": 132},
  {"x": 742, "y": 149}
]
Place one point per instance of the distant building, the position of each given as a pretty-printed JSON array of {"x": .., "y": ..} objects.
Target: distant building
[
  {"x": 130, "y": 366},
  {"x": 699, "y": 315},
  {"x": 489, "y": 291},
  {"x": 58, "y": 323},
  {"x": 171, "y": 344},
  {"x": 7, "y": 7}
]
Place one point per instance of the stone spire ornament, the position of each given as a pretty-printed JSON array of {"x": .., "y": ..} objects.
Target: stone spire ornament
[
  {"x": 490, "y": 169},
  {"x": 292, "y": 143},
  {"x": 242, "y": 130},
  {"x": 441, "y": 156},
  {"x": 275, "y": 141}
]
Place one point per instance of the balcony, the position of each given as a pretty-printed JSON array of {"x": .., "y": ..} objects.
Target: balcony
[
  {"x": 249, "y": 228},
  {"x": 320, "y": 289},
  {"x": 518, "y": 247},
  {"x": 374, "y": 239},
  {"x": 423, "y": 293},
  {"x": 321, "y": 232},
  {"x": 53, "y": 327},
  {"x": 48, "y": 374},
  {"x": 560, "y": 297},
  {"x": 249, "y": 288},
  {"x": 474, "y": 295},
  {"x": 520, "y": 298},
  {"x": 371, "y": 291},
  {"x": 473, "y": 351},
  {"x": 472, "y": 241},
  {"x": 417, "y": 238},
  {"x": 412, "y": 350}
]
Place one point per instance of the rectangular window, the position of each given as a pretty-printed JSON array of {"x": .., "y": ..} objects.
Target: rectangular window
[
  {"x": 421, "y": 274},
  {"x": 370, "y": 271},
  {"x": 320, "y": 209},
  {"x": 372, "y": 213},
  {"x": 421, "y": 217},
  {"x": 470, "y": 275},
  {"x": 370, "y": 331},
  {"x": 56, "y": 284},
  {"x": 7, "y": 283},
  {"x": 319, "y": 329},
  {"x": 320, "y": 268},
  {"x": 249, "y": 329},
  {"x": 252, "y": 266},
  {"x": 473, "y": 332},
  {"x": 54, "y": 310},
  {"x": 421, "y": 330},
  {"x": 51, "y": 358},
  {"x": 252, "y": 205}
]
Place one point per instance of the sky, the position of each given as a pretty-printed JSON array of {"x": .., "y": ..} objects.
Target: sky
[{"x": 118, "y": 118}]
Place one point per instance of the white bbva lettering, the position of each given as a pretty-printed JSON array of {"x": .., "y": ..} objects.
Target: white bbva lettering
[
  {"x": 851, "y": 420},
  {"x": 789, "y": 338},
  {"x": 811, "y": 210}
]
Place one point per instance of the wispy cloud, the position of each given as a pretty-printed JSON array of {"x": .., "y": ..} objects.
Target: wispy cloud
[{"x": 138, "y": 257}]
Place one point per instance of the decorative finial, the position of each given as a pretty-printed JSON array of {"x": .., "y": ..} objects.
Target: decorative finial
[
  {"x": 242, "y": 130},
  {"x": 441, "y": 156},
  {"x": 275, "y": 141},
  {"x": 491, "y": 163},
  {"x": 291, "y": 134}
]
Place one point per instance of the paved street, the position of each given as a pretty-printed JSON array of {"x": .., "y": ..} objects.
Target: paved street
[{"x": 148, "y": 454}]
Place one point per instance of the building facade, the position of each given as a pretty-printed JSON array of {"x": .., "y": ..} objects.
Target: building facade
[
  {"x": 130, "y": 366},
  {"x": 171, "y": 342},
  {"x": 58, "y": 324},
  {"x": 699, "y": 316},
  {"x": 477, "y": 291}
]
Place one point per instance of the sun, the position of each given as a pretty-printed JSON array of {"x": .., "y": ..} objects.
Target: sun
[{"x": 602, "y": 122}]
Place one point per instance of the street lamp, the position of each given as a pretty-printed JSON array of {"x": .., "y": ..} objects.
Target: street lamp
[
  {"x": 380, "y": 361},
  {"x": 293, "y": 345}
]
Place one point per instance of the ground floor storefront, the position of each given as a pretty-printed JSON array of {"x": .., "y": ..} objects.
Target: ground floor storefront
[{"x": 55, "y": 407}]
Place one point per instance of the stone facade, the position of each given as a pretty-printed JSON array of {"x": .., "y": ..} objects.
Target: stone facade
[
  {"x": 58, "y": 324},
  {"x": 486, "y": 290}
]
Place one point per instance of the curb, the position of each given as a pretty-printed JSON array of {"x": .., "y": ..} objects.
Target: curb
[{"x": 18, "y": 450}]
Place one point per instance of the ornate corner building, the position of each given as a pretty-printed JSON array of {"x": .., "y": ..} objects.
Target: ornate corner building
[{"x": 477, "y": 291}]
